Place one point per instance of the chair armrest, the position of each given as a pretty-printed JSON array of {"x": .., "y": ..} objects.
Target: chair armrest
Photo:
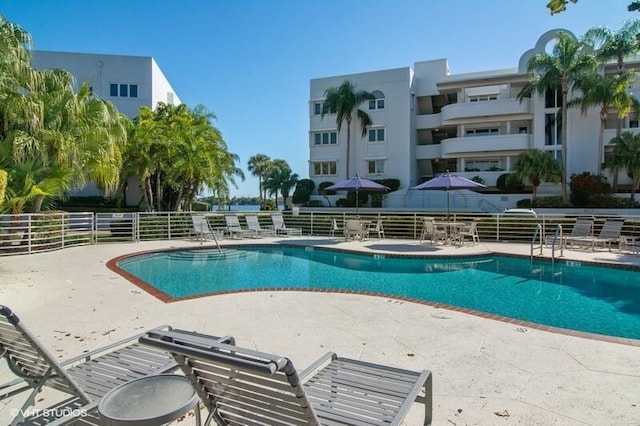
[
  {"x": 87, "y": 356},
  {"x": 318, "y": 364}
]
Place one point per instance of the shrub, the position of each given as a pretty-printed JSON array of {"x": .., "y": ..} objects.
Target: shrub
[
  {"x": 548, "y": 202},
  {"x": 342, "y": 202},
  {"x": 315, "y": 203},
  {"x": 589, "y": 190},
  {"x": 303, "y": 191},
  {"x": 525, "y": 203},
  {"x": 322, "y": 186},
  {"x": 268, "y": 205},
  {"x": 507, "y": 182},
  {"x": 478, "y": 179},
  {"x": 200, "y": 206},
  {"x": 3, "y": 185}
]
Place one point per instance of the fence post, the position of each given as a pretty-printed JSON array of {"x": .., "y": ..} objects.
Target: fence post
[
  {"x": 169, "y": 225},
  {"x": 62, "y": 228}
]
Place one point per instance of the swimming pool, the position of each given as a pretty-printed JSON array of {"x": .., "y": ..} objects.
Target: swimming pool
[{"x": 569, "y": 295}]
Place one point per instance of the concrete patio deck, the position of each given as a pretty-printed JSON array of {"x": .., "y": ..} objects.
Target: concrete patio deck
[{"x": 485, "y": 371}]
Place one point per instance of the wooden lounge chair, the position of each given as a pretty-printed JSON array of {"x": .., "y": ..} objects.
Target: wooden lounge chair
[
  {"x": 83, "y": 380},
  {"x": 254, "y": 224},
  {"x": 609, "y": 234},
  {"x": 281, "y": 227},
  {"x": 244, "y": 387},
  {"x": 235, "y": 229}
]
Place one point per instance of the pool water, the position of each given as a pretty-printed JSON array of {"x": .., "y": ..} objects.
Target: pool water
[{"x": 568, "y": 294}]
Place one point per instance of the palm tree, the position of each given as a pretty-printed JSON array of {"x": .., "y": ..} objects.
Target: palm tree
[
  {"x": 258, "y": 165},
  {"x": 280, "y": 178},
  {"x": 605, "y": 92},
  {"x": 344, "y": 100},
  {"x": 536, "y": 166},
  {"x": 560, "y": 70},
  {"x": 626, "y": 155}
]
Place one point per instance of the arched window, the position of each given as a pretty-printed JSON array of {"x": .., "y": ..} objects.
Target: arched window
[{"x": 378, "y": 102}]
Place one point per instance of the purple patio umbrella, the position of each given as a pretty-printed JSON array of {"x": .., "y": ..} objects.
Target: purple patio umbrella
[
  {"x": 446, "y": 182},
  {"x": 357, "y": 184}
]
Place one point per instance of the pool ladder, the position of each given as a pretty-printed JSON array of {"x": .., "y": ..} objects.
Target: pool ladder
[{"x": 556, "y": 244}]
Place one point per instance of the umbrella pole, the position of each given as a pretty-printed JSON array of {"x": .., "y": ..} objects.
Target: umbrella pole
[
  {"x": 356, "y": 202},
  {"x": 447, "y": 205}
]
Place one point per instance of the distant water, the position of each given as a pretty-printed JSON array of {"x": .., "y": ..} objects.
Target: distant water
[{"x": 240, "y": 208}]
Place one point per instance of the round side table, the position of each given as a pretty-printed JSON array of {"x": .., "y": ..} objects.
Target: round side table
[{"x": 149, "y": 401}]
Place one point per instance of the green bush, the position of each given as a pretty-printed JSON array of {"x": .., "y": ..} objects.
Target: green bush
[
  {"x": 315, "y": 203},
  {"x": 322, "y": 186},
  {"x": 342, "y": 202},
  {"x": 478, "y": 179},
  {"x": 268, "y": 205},
  {"x": 508, "y": 183},
  {"x": 525, "y": 203},
  {"x": 548, "y": 202},
  {"x": 200, "y": 206},
  {"x": 303, "y": 191}
]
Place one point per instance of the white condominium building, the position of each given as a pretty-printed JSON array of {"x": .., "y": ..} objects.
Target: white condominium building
[
  {"x": 129, "y": 82},
  {"x": 426, "y": 120}
]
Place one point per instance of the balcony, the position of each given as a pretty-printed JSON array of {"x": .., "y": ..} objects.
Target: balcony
[
  {"x": 428, "y": 152},
  {"x": 457, "y": 146},
  {"x": 454, "y": 113},
  {"x": 428, "y": 121}
]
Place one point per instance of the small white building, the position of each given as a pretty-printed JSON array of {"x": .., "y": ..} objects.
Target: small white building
[
  {"x": 129, "y": 82},
  {"x": 427, "y": 121}
]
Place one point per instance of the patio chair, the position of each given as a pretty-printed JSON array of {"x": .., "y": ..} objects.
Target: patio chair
[
  {"x": 83, "y": 380},
  {"x": 244, "y": 387},
  {"x": 432, "y": 232},
  {"x": 468, "y": 230},
  {"x": 254, "y": 224},
  {"x": 610, "y": 233},
  {"x": 377, "y": 229},
  {"x": 236, "y": 230},
  {"x": 281, "y": 227},
  {"x": 354, "y": 229},
  {"x": 582, "y": 228},
  {"x": 335, "y": 228},
  {"x": 202, "y": 229}
]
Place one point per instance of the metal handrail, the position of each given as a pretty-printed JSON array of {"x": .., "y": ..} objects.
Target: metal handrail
[
  {"x": 556, "y": 234},
  {"x": 538, "y": 232}
]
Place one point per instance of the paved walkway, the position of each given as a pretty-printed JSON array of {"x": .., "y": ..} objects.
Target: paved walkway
[{"x": 485, "y": 371}]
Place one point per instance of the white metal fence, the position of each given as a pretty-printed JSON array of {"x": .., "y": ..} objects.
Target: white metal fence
[{"x": 34, "y": 233}]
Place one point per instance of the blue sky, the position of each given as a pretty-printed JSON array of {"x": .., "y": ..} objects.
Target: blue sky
[{"x": 250, "y": 61}]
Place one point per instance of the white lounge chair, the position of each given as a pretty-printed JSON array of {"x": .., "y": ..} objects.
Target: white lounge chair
[
  {"x": 609, "y": 234},
  {"x": 582, "y": 228},
  {"x": 281, "y": 227},
  {"x": 253, "y": 224},
  {"x": 244, "y": 387},
  {"x": 236, "y": 230},
  {"x": 202, "y": 229}
]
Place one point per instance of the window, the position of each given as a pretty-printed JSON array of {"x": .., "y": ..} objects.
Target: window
[
  {"x": 378, "y": 101},
  {"x": 483, "y": 132},
  {"x": 323, "y": 168},
  {"x": 325, "y": 138},
  {"x": 376, "y": 135},
  {"x": 483, "y": 165},
  {"x": 633, "y": 124},
  {"x": 553, "y": 98},
  {"x": 523, "y": 130},
  {"x": 376, "y": 167},
  {"x": 319, "y": 106},
  {"x": 169, "y": 98},
  {"x": 123, "y": 90},
  {"x": 552, "y": 129},
  {"x": 481, "y": 98}
]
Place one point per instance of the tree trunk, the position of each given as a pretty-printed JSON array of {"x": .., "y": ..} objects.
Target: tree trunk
[
  {"x": 565, "y": 134},
  {"x": 348, "y": 145},
  {"x": 603, "y": 123},
  {"x": 158, "y": 192}
]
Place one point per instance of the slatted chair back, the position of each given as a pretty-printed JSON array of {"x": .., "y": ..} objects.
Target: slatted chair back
[
  {"x": 611, "y": 229},
  {"x": 582, "y": 228},
  {"x": 232, "y": 222},
  {"x": 30, "y": 361},
  {"x": 240, "y": 386}
]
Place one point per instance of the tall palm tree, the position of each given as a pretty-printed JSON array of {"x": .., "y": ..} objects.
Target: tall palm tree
[
  {"x": 344, "y": 100},
  {"x": 279, "y": 178},
  {"x": 258, "y": 165},
  {"x": 626, "y": 155},
  {"x": 536, "y": 166},
  {"x": 569, "y": 62},
  {"x": 606, "y": 92}
]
